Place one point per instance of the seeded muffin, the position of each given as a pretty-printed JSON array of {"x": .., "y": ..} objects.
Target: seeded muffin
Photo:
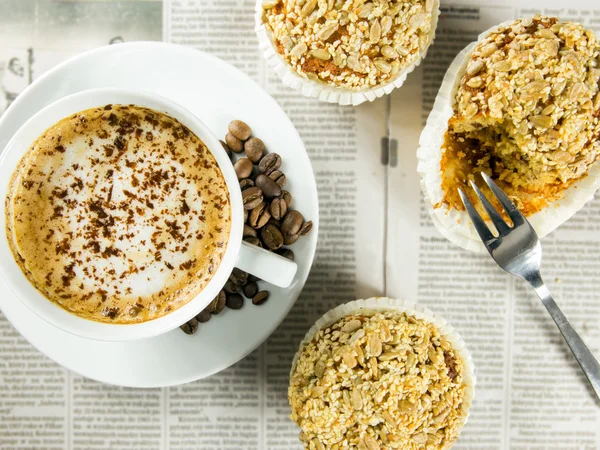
[
  {"x": 375, "y": 380},
  {"x": 352, "y": 44},
  {"x": 526, "y": 113}
]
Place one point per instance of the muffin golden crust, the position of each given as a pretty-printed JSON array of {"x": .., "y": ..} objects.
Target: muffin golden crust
[
  {"x": 354, "y": 44},
  {"x": 527, "y": 112},
  {"x": 378, "y": 380}
]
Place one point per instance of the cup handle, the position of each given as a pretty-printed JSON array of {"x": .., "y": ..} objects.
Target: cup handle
[{"x": 266, "y": 265}]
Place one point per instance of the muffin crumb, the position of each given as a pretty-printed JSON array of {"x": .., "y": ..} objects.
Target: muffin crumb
[{"x": 526, "y": 113}]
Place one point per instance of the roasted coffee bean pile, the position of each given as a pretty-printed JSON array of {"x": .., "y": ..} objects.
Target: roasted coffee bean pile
[{"x": 269, "y": 221}]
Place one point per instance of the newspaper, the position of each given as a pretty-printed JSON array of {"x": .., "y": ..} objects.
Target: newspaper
[{"x": 530, "y": 391}]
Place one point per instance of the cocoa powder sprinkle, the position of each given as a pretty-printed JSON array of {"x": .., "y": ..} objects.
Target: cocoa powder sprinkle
[{"x": 85, "y": 244}]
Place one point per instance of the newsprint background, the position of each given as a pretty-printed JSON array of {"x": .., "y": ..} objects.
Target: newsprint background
[{"x": 530, "y": 393}]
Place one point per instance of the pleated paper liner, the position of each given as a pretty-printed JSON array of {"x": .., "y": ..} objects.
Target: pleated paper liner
[
  {"x": 321, "y": 90},
  {"x": 385, "y": 304},
  {"x": 453, "y": 224}
]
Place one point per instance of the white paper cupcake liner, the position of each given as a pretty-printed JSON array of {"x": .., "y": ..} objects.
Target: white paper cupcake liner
[
  {"x": 453, "y": 224},
  {"x": 323, "y": 91},
  {"x": 384, "y": 304}
]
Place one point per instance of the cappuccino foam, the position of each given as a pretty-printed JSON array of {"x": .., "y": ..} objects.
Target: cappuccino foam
[{"x": 118, "y": 214}]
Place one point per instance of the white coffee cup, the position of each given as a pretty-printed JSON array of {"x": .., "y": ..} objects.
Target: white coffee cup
[{"x": 259, "y": 262}]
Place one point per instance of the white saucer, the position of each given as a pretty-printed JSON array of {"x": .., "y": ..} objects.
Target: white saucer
[{"x": 217, "y": 93}]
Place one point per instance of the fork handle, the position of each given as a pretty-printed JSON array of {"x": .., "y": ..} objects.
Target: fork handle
[{"x": 584, "y": 356}]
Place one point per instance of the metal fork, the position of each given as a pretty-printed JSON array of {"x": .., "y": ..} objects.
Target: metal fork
[{"x": 517, "y": 250}]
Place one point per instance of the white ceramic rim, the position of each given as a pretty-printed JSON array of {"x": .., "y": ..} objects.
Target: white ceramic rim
[
  {"x": 454, "y": 225},
  {"x": 386, "y": 304},
  {"x": 51, "y": 312},
  {"x": 50, "y": 87},
  {"x": 322, "y": 91}
]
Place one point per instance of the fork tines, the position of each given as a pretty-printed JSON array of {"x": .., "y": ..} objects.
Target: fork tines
[{"x": 482, "y": 229}]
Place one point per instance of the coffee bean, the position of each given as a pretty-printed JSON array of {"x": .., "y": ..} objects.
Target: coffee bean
[
  {"x": 260, "y": 298},
  {"x": 289, "y": 239},
  {"x": 286, "y": 253},
  {"x": 252, "y": 197},
  {"x": 235, "y": 301},
  {"x": 230, "y": 287},
  {"x": 292, "y": 222},
  {"x": 271, "y": 237},
  {"x": 226, "y": 148},
  {"x": 254, "y": 241},
  {"x": 278, "y": 177},
  {"x": 238, "y": 276},
  {"x": 249, "y": 231},
  {"x": 277, "y": 223},
  {"x": 278, "y": 208},
  {"x": 268, "y": 186},
  {"x": 305, "y": 228},
  {"x": 239, "y": 129},
  {"x": 190, "y": 327},
  {"x": 287, "y": 197},
  {"x": 268, "y": 221},
  {"x": 252, "y": 278},
  {"x": 205, "y": 315},
  {"x": 234, "y": 143},
  {"x": 255, "y": 149},
  {"x": 269, "y": 163},
  {"x": 246, "y": 183},
  {"x": 218, "y": 303},
  {"x": 243, "y": 168},
  {"x": 250, "y": 290},
  {"x": 259, "y": 216}
]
